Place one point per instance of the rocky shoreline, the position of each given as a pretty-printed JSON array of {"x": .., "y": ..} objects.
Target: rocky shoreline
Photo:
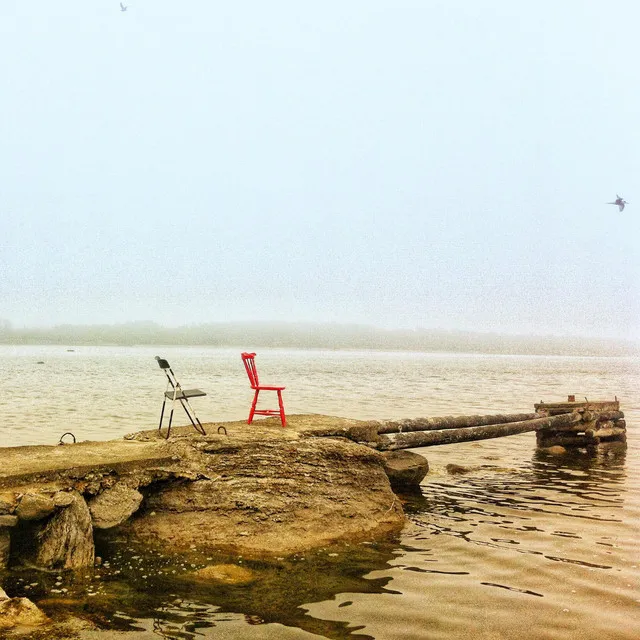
[{"x": 258, "y": 491}]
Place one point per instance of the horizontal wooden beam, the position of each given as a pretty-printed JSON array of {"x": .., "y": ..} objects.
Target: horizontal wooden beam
[
  {"x": 447, "y": 422},
  {"x": 465, "y": 434},
  {"x": 567, "y": 407}
]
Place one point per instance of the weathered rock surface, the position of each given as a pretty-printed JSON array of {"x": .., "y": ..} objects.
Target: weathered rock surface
[
  {"x": 5, "y": 548},
  {"x": 8, "y": 521},
  {"x": 224, "y": 573},
  {"x": 7, "y": 503},
  {"x": 255, "y": 490},
  {"x": 19, "y": 612},
  {"x": 275, "y": 498},
  {"x": 35, "y": 506},
  {"x": 405, "y": 468},
  {"x": 114, "y": 506},
  {"x": 62, "y": 499},
  {"x": 66, "y": 540}
]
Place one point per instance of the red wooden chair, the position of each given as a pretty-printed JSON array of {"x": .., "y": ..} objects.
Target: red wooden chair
[{"x": 248, "y": 359}]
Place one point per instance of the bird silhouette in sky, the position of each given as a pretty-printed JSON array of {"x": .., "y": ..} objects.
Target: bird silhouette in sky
[
  {"x": 122, "y": 7},
  {"x": 620, "y": 202}
]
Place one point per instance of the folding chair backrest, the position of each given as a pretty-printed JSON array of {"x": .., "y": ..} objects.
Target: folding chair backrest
[
  {"x": 171, "y": 377},
  {"x": 250, "y": 366}
]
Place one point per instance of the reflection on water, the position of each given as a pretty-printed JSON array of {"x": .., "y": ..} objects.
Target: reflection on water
[
  {"x": 136, "y": 589},
  {"x": 524, "y": 545},
  {"x": 544, "y": 547}
]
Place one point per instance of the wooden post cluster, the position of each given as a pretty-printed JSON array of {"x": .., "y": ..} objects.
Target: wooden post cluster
[
  {"x": 569, "y": 424},
  {"x": 601, "y": 422}
]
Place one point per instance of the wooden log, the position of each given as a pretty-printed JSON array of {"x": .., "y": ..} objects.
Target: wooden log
[
  {"x": 602, "y": 416},
  {"x": 566, "y": 407},
  {"x": 545, "y": 411},
  {"x": 545, "y": 440},
  {"x": 449, "y": 422},
  {"x": 576, "y": 427},
  {"x": 612, "y": 432},
  {"x": 466, "y": 434}
]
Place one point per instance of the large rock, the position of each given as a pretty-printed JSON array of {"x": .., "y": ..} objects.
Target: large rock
[
  {"x": 263, "y": 491},
  {"x": 19, "y": 612},
  {"x": 66, "y": 540},
  {"x": 35, "y": 506},
  {"x": 405, "y": 469},
  {"x": 114, "y": 506},
  {"x": 274, "y": 498}
]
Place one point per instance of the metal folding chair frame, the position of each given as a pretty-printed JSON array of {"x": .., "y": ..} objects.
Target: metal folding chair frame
[{"x": 175, "y": 393}]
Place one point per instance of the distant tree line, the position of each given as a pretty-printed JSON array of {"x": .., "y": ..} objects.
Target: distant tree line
[{"x": 314, "y": 336}]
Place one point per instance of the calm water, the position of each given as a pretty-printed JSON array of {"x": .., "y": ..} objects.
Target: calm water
[{"x": 526, "y": 546}]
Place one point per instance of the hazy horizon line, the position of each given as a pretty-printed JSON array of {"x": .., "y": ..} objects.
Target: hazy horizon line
[
  {"x": 310, "y": 335},
  {"x": 8, "y": 326}
]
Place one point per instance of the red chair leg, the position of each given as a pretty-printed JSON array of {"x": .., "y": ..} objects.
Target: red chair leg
[
  {"x": 283, "y": 418},
  {"x": 253, "y": 406}
]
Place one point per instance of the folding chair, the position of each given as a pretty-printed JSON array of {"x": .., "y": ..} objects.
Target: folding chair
[
  {"x": 248, "y": 360},
  {"x": 176, "y": 393}
]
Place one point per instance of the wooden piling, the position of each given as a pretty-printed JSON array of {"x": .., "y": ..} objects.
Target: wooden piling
[
  {"x": 571, "y": 424},
  {"x": 602, "y": 421}
]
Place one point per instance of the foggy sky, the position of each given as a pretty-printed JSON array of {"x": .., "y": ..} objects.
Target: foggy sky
[{"x": 436, "y": 164}]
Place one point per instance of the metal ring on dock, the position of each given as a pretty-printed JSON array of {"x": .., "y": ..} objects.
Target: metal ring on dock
[
  {"x": 223, "y": 429},
  {"x": 68, "y": 433}
]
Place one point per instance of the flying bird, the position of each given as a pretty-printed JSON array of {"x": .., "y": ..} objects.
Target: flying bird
[
  {"x": 122, "y": 7},
  {"x": 620, "y": 202}
]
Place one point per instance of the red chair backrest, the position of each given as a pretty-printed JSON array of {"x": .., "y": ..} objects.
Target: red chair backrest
[{"x": 250, "y": 366}]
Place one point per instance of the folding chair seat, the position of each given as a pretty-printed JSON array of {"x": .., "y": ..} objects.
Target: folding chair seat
[
  {"x": 248, "y": 360},
  {"x": 176, "y": 393}
]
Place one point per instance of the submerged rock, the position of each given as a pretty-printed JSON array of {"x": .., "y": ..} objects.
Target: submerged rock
[
  {"x": 225, "y": 573},
  {"x": 405, "y": 468},
  {"x": 556, "y": 450},
  {"x": 457, "y": 469},
  {"x": 19, "y": 612}
]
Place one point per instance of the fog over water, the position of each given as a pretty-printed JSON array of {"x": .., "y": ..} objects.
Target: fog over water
[
  {"x": 252, "y": 335},
  {"x": 405, "y": 164}
]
